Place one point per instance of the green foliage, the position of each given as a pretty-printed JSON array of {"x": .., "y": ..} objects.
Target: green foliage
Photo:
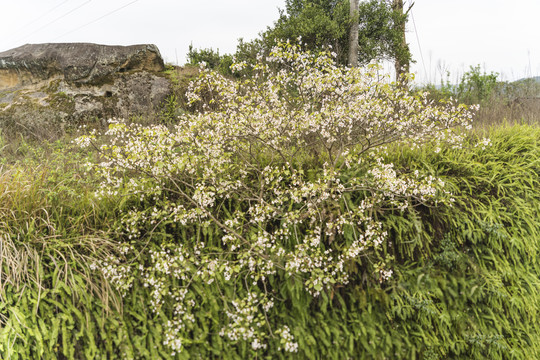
[
  {"x": 475, "y": 293},
  {"x": 465, "y": 281},
  {"x": 171, "y": 109},
  {"x": 465, "y": 284},
  {"x": 380, "y": 36},
  {"x": 211, "y": 59},
  {"x": 501, "y": 102},
  {"x": 50, "y": 235},
  {"x": 321, "y": 25},
  {"x": 324, "y": 23},
  {"x": 477, "y": 86}
]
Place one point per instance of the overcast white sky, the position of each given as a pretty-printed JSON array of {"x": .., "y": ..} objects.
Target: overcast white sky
[{"x": 501, "y": 35}]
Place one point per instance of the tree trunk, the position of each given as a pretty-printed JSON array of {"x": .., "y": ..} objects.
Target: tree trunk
[
  {"x": 353, "y": 35},
  {"x": 402, "y": 53}
]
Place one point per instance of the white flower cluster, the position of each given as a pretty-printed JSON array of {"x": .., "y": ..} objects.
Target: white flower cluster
[
  {"x": 484, "y": 143},
  {"x": 247, "y": 320},
  {"x": 287, "y": 339},
  {"x": 395, "y": 188},
  {"x": 278, "y": 143},
  {"x": 118, "y": 273}
]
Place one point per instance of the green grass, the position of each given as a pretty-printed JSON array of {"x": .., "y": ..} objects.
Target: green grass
[
  {"x": 51, "y": 230},
  {"x": 466, "y": 281}
]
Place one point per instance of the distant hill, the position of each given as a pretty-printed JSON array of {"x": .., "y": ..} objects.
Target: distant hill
[{"x": 534, "y": 78}]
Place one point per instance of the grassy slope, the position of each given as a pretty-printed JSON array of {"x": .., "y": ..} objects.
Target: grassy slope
[{"x": 465, "y": 284}]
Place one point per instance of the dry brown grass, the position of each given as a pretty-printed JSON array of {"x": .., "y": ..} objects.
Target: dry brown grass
[{"x": 518, "y": 111}]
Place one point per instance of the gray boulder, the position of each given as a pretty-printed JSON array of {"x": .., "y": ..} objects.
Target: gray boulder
[
  {"x": 51, "y": 86},
  {"x": 74, "y": 62}
]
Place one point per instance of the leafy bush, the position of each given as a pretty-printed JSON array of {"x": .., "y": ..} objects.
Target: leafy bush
[
  {"x": 211, "y": 59},
  {"x": 477, "y": 87},
  {"x": 276, "y": 176}
]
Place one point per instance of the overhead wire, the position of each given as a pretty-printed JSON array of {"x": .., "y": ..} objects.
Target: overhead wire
[
  {"x": 95, "y": 20},
  {"x": 419, "y": 46},
  {"x": 55, "y": 20},
  {"x": 41, "y": 16}
]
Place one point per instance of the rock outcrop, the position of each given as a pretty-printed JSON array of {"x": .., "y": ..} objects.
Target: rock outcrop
[
  {"x": 60, "y": 84},
  {"x": 75, "y": 62}
]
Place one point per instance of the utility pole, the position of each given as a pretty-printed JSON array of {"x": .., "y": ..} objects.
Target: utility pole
[
  {"x": 401, "y": 53},
  {"x": 353, "y": 34}
]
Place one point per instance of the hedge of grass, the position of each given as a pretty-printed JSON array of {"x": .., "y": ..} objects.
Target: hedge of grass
[{"x": 465, "y": 284}]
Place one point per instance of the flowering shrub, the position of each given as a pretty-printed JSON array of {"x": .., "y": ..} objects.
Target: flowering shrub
[{"x": 283, "y": 173}]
